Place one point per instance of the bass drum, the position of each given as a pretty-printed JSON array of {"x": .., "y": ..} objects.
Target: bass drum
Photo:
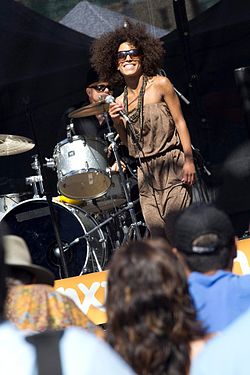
[{"x": 32, "y": 221}]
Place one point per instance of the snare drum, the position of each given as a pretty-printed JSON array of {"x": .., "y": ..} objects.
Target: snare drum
[
  {"x": 82, "y": 168},
  {"x": 113, "y": 198}
]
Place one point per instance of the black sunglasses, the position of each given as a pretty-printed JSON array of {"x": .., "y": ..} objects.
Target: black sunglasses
[
  {"x": 133, "y": 53},
  {"x": 101, "y": 88}
]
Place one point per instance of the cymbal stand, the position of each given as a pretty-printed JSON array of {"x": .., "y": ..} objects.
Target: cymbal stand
[
  {"x": 54, "y": 221},
  {"x": 111, "y": 137},
  {"x": 38, "y": 190}
]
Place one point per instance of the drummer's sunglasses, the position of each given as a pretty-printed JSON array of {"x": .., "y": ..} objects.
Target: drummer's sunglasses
[
  {"x": 101, "y": 88},
  {"x": 132, "y": 53}
]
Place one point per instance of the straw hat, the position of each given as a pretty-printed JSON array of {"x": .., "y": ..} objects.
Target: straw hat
[{"x": 17, "y": 255}]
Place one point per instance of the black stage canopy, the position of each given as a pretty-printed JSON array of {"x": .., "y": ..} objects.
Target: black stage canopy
[
  {"x": 44, "y": 63},
  {"x": 219, "y": 41},
  {"x": 217, "y": 44}
]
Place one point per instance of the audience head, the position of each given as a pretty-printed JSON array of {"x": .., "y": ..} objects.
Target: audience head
[
  {"x": 204, "y": 236},
  {"x": 19, "y": 264},
  {"x": 151, "y": 319}
]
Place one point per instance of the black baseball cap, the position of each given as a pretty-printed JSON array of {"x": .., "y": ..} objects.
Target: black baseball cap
[{"x": 202, "y": 229}]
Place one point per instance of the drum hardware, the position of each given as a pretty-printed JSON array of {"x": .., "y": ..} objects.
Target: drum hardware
[
  {"x": 14, "y": 144},
  {"x": 8, "y": 201},
  {"x": 131, "y": 234},
  {"x": 54, "y": 221},
  {"x": 91, "y": 252},
  {"x": 13, "y": 200},
  {"x": 33, "y": 181},
  {"x": 70, "y": 131},
  {"x": 200, "y": 189},
  {"x": 36, "y": 181},
  {"x": 50, "y": 163}
]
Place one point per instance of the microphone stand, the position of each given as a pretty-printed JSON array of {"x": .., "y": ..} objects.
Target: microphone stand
[
  {"x": 130, "y": 204},
  {"x": 28, "y": 113},
  {"x": 181, "y": 96}
]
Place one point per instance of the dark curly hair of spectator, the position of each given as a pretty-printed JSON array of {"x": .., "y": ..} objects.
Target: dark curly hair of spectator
[
  {"x": 104, "y": 51},
  {"x": 151, "y": 318}
]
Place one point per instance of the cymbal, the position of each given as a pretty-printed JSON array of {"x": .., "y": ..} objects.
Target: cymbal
[
  {"x": 90, "y": 110},
  {"x": 14, "y": 144}
]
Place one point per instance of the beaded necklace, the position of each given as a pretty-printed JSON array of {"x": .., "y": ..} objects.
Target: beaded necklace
[{"x": 137, "y": 113}]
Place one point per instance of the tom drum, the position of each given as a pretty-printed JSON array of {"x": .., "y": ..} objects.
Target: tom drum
[{"x": 82, "y": 168}]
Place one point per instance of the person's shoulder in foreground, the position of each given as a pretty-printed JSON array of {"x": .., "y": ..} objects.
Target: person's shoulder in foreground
[
  {"x": 90, "y": 355},
  {"x": 17, "y": 356},
  {"x": 227, "y": 353},
  {"x": 81, "y": 353}
]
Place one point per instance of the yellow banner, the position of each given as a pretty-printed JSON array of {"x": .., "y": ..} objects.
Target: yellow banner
[
  {"x": 242, "y": 262},
  {"x": 88, "y": 292}
]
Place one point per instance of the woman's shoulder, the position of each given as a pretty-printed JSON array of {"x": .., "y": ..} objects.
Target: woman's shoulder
[
  {"x": 160, "y": 80},
  {"x": 161, "y": 84}
]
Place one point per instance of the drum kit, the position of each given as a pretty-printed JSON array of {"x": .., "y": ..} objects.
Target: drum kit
[{"x": 94, "y": 212}]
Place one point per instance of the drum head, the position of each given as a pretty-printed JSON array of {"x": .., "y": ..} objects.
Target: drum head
[
  {"x": 32, "y": 221},
  {"x": 84, "y": 184}
]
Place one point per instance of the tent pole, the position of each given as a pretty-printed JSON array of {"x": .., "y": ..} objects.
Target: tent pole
[{"x": 182, "y": 27}]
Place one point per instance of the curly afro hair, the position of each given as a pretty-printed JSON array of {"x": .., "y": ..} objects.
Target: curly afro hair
[{"x": 104, "y": 51}]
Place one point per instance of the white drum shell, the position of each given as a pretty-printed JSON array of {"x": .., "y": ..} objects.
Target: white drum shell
[
  {"x": 113, "y": 198},
  {"x": 82, "y": 168}
]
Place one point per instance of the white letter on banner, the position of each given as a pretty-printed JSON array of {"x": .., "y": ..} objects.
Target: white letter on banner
[
  {"x": 89, "y": 295},
  {"x": 243, "y": 261},
  {"x": 90, "y": 298}
]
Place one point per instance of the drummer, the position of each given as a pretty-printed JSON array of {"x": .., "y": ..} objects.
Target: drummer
[{"x": 95, "y": 126}]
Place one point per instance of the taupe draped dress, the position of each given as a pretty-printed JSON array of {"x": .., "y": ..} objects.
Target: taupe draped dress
[{"x": 162, "y": 193}]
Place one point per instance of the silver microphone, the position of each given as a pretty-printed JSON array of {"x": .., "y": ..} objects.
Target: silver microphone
[{"x": 110, "y": 99}]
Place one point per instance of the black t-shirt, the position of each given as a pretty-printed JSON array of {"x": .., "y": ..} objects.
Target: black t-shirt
[{"x": 90, "y": 127}]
